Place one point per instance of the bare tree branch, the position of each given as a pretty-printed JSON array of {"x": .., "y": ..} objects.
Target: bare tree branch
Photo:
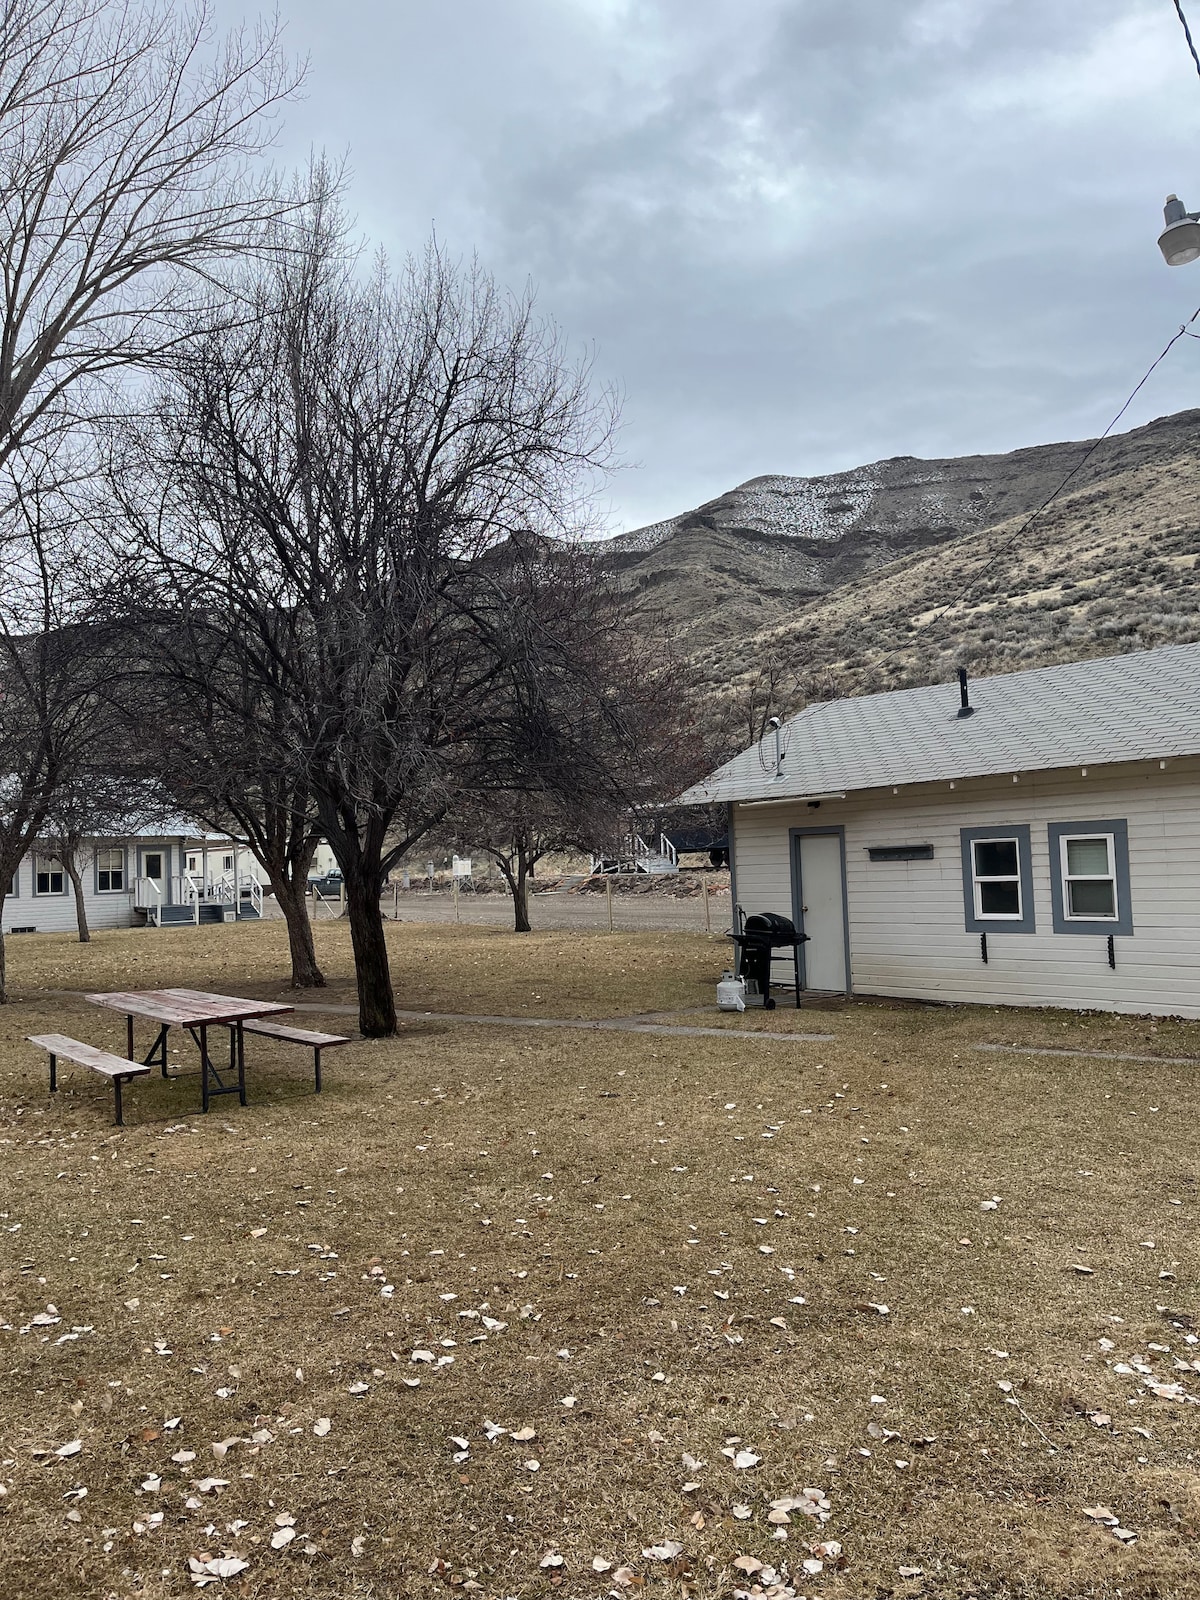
[{"x": 129, "y": 146}]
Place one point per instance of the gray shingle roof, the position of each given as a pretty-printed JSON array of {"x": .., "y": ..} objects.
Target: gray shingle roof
[{"x": 1137, "y": 707}]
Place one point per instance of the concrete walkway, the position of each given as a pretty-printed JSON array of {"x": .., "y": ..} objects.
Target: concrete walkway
[
  {"x": 587, "y": 1024},
  {"x": 1093, "y": 1055}
]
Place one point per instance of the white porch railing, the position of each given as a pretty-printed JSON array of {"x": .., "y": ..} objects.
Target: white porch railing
[
  {"x": 148, "y": 897},
  {"x": 634, "y": 854},
  {"x": 229, "y": 890},
  {"x": 187, "y": 893}
]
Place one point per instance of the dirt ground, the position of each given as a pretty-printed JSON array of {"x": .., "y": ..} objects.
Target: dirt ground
[{"x": 514, "y": 1311}]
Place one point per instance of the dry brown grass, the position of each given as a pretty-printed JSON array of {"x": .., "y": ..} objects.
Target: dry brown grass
[
  {"x": 430, "y": 1157},
  {"x": 434, "y": 967}
]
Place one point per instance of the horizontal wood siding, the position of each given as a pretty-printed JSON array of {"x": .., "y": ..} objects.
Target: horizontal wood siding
[
  {"x": 907, "y": 928},
  {"x": 55, "y": 913}
]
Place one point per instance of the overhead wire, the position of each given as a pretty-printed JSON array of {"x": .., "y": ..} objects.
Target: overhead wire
[
  {"x": 1183, "y": 331},
  {"x": 1187, "y": 33}
]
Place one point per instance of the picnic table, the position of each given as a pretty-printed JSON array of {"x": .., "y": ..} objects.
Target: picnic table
[{"x": 195, "y": 1011}]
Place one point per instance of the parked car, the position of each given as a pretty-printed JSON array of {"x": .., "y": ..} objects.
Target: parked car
[{"x": 326, "y": 887}]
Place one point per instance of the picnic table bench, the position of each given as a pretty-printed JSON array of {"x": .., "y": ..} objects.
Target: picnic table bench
[
  {"x": 86, "y": 1055},
  {"x": 195, "y": 1011},
  {"x": 290, "y": 1035}
]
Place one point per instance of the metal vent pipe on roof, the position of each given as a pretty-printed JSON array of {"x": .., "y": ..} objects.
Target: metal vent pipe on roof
[
  {"x": 966, "y": 709},
  {"x": 774, "y": 722}
]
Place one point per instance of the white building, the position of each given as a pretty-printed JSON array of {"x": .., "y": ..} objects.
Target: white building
[
  {"x": 163, "y": 873},
  {"x": 1038, "y": 846}
]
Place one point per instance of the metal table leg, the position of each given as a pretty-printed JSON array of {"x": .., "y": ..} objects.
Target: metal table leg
[{"x": 211, "y": 1082}]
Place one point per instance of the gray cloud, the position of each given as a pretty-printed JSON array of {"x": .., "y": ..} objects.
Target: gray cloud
[{"x": 801, "y": 234}]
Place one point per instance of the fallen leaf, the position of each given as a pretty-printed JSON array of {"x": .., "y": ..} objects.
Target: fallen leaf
[
  {"x": 1101, "y": 1514},
  {"x": 223, "y": 1566},
  {"x": 666, "y": 1551}
]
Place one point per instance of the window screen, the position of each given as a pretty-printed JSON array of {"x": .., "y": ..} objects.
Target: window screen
[
  {"x": 48, "y": 876},
  {"x": 110, "y": 870},
  {"x": 1089, "y": 880},
  {"x": 997, "y": 878}
]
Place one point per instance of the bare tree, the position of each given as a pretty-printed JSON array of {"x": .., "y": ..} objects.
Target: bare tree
[
  {"x": 779, "y": 686},
  {"x": 92, "y": 801},
  {"x": 128, "y": 139},
  {"x": 617, "y": 731},
  {"x": 331, "y": 478},
  {"x": 53, "y": 663},
  {"x": 205, "y": 728}
]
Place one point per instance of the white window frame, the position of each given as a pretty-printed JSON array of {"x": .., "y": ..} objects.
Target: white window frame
[
  {"x": 1068, "y": 878},
  {"x": 227, "y": 863},
  {"x": 110, "y": 851},
  {"x": 1014, "y": 877},
  {"x": 50, "y": 862}
]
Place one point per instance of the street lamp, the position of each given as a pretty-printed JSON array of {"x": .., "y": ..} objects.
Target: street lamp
[{"x": 1180, "y": 239}]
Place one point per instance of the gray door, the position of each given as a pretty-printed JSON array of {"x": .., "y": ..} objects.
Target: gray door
[
  {"x": 152, "y": 865},
  {"x": 821, "y": 896}
]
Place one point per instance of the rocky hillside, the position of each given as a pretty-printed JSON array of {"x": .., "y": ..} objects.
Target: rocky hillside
[{"x": 894, "y": 573}]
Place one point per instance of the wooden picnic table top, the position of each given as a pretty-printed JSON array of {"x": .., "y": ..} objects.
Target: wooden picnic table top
[{"x": 186, "y": 1007}]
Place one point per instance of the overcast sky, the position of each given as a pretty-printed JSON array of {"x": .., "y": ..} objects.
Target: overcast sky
[{"x": 800, "y": 234}]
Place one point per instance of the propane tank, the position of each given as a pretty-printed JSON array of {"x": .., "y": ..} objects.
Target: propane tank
[{"x": 731, "y": 993}]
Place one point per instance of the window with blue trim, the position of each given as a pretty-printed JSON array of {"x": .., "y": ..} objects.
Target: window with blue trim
[
  {"x": 1089, "y": 876},
  {"x": 997, "y": 867},
  {"x": 48, "y": 876},
  {"x": 110, "y": 871}
]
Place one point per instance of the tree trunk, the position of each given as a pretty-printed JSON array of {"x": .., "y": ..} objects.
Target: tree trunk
[
  {"x": 516, "y": 886},
  {"x": 3, "y": 977},
  {"x": 293, "y": 902},
  {"x": 376, "y": 1002},
  {"x": 520, "y": 894},
  {"x": 76, "y": 878}
]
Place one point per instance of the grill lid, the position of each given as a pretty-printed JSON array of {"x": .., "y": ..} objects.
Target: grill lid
[{"x": 768, "y": 927}]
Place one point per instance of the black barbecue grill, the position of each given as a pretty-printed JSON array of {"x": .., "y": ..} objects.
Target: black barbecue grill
[{"x": 757, "y": 941}]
